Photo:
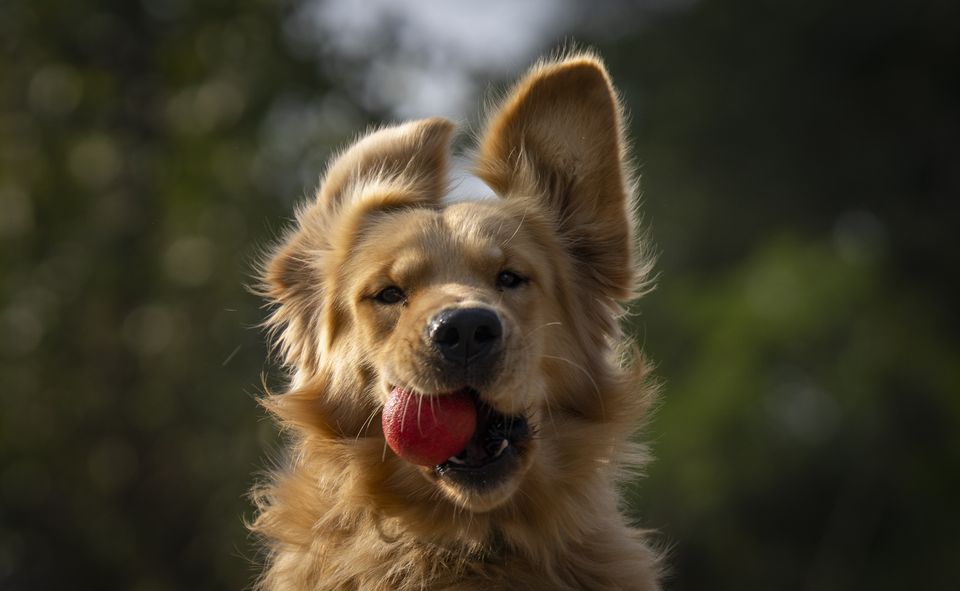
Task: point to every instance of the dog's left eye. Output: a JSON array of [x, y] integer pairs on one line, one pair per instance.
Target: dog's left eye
[[390, 295], [509, 280]]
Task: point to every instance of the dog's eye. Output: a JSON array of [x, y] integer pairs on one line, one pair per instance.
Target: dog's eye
[[509, 280], [390, 295]]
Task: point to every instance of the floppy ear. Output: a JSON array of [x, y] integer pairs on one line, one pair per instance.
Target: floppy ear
[[396, 166], [558, 137], [411, 155], [411, 159]]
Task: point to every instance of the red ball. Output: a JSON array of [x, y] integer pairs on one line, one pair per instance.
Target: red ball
[[426, 430]]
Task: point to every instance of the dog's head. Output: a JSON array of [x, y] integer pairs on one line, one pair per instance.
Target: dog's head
[[384, 286]]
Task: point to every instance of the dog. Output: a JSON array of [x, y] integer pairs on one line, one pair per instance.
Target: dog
[[505, 307]]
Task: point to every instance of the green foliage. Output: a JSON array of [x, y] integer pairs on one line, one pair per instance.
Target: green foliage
[[799, 428]]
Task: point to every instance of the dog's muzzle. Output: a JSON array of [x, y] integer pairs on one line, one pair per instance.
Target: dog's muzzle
[[468, 339]]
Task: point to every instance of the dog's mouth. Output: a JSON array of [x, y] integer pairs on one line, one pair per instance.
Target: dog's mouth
[[465, 442], [492, 454]]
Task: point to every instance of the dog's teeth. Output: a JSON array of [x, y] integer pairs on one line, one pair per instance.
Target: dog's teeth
[[504, 444], [455, 460]]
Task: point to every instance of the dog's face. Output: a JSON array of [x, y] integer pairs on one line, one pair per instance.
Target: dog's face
[[460, 298], [512, 299], [449, 299]]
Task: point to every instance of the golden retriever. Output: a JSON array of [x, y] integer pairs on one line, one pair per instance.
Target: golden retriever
[[510, 302]]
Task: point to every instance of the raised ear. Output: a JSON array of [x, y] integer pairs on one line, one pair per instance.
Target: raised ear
[[412, 155], [558, 137], [395, 166]]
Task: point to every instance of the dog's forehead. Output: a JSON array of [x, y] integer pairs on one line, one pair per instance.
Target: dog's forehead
[[466, 238], [469, 226]]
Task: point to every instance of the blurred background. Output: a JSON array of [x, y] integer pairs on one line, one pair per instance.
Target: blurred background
[[801, 178]]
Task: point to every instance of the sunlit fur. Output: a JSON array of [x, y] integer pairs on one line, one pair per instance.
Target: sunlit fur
[[342, 511]]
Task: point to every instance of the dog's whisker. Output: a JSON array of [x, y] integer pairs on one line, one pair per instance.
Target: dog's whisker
[[542, 326], [517, 231], [546, 401], [596, 387], [420, 412], [366, 424], [403, 412]]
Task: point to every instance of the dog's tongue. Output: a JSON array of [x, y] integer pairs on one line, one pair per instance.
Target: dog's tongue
[[426, 430]]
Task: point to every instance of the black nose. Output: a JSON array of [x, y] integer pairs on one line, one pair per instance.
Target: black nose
[[466, 335]]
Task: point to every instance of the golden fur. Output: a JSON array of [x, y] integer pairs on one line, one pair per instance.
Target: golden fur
[[344, 512]]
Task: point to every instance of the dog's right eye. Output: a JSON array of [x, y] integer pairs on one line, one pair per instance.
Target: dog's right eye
[[509, 280], [390, 295]]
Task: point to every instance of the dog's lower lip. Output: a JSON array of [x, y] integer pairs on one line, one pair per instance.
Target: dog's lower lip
[[492, 454]]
